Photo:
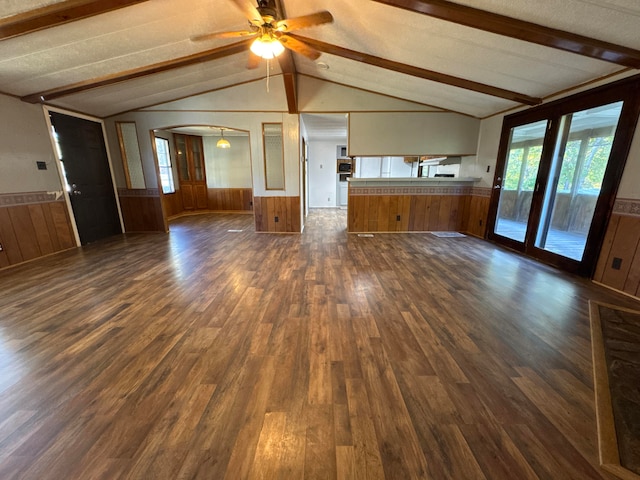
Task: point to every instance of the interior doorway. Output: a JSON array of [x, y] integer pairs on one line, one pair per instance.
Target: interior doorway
[[215, 176], [326, 139]]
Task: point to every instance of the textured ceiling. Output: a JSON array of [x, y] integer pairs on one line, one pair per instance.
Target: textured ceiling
[[157, 31]]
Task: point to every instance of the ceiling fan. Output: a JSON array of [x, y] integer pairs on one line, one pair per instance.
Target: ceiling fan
[[271, 32]]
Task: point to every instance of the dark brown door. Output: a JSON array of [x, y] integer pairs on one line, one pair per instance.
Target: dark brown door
[[191, 168], [86, 168]]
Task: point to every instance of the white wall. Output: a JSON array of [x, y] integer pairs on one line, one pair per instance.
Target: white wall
[[368, 167], [228, 167], [488, 142], [323, 173], [630, 183], [398, 168], [383, 167], [24, 140]]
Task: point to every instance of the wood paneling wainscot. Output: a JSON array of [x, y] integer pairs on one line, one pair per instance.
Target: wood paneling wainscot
[[285, 209], [476, 216], [141, 210], [172, 204], [417, 209], [230, 199], [33, 225], [619, 262]]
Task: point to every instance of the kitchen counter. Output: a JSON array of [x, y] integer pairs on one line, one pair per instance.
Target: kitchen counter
[[412, 182]]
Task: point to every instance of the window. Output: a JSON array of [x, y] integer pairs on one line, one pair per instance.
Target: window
[[164, 162]]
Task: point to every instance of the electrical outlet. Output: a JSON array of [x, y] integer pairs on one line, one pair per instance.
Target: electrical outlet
[[617, 263], [397, 218], [276, 219]]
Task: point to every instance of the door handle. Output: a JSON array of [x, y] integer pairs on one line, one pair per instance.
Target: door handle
[[496, 187]]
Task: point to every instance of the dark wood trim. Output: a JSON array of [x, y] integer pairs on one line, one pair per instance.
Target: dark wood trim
[[418, 72], [201, 57], [58, 14], [290, 81], [522, 30]]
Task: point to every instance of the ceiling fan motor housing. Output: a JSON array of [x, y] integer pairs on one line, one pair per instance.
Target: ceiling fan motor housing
[[267, 8]]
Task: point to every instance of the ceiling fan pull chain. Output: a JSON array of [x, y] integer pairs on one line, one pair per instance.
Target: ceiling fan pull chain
[[268, 60]]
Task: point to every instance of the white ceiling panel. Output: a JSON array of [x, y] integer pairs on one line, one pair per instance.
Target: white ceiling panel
[[407, 87], [615, 21], [323, 126], [156, 31], [163, 87], [14, 7], [140, 35], [456, 50]]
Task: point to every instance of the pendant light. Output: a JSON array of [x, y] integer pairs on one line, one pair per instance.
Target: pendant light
[[223, 142]]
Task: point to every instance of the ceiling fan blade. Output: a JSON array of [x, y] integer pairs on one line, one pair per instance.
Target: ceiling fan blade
[[249, 10], [304, 21], [254, 61], [299, 47], [232, 34]]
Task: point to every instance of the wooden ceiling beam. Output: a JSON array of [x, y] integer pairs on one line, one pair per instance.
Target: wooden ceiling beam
[[520, 29], [289, 76], [418, 72], [201, 57], [288, 67], [58, 14]]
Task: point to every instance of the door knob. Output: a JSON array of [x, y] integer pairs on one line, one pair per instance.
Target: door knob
[[496, 187]]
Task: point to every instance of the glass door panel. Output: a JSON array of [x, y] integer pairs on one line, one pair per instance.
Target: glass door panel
[[578, 166], [519, 180], [198, 159], [181, 155]]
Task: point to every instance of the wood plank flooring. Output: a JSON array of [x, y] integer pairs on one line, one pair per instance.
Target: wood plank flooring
[[212, 354]]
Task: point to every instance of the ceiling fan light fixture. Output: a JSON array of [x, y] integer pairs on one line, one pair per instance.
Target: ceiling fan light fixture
[[223, 142], [267, 46]]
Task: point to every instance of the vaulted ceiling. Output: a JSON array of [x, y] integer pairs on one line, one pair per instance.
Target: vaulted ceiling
[[476, 57]]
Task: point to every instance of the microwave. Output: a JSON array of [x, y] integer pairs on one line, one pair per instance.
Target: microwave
[[344, 166]]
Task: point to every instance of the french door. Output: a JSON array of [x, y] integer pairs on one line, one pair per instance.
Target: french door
[[557, 173]]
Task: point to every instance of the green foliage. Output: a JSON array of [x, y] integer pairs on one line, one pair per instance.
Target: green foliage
[[569, 163], [591, 168], [514, 166], [595, 164], [531, 168]]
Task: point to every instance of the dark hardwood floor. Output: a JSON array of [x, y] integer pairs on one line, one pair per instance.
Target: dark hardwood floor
[[230, 355]]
